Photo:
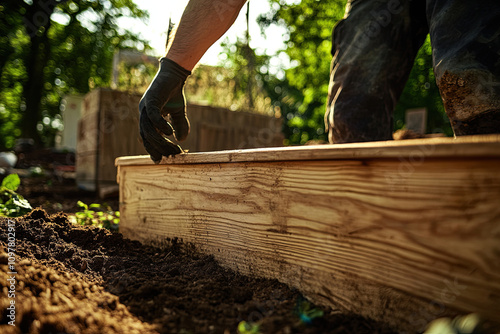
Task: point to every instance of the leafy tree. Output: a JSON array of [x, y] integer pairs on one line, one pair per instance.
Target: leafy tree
[[50, 48]]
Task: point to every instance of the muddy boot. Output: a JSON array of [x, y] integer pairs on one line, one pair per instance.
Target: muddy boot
[[471, 102], [465, 40]]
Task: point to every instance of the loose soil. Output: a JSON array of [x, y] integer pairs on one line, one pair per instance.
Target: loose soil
[[76, 279]]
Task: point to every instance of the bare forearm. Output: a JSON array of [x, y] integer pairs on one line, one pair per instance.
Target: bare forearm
[[202, 24]]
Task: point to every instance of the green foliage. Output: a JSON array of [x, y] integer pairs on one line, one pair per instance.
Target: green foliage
[[98, 215], [11, 182], [135, 77], [308, 42], [70, 53], [248, 328], [248, 78], [11, 203], [421, 91]]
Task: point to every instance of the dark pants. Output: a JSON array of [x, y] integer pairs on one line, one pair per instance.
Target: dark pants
[[373, 50]]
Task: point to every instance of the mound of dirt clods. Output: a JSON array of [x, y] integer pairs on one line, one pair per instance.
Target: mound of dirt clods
[[57, 277]]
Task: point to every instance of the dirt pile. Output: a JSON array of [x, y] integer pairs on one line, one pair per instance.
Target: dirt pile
[[73, 279]]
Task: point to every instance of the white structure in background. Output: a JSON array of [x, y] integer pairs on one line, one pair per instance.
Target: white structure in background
[[71, 112], [7, 159], [416, 120]]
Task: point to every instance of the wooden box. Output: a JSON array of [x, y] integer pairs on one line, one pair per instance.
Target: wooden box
[[109, 128], [401, 232]]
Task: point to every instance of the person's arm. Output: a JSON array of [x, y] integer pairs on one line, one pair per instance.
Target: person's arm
[[202, 24]]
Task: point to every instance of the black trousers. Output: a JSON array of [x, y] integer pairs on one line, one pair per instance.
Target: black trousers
[[374, 48]]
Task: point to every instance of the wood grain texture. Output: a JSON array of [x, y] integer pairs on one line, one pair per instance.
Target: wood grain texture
[[215, 129], [86, 144], [398, 240], [108, 129], [412, 150], [118, 131]]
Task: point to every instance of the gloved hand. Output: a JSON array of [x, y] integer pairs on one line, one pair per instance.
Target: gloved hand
[[164, 97]]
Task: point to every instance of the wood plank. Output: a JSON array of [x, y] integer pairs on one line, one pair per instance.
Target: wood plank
[[397, 240], [118, 132], [214, 129], [412, 150], [87, 142]]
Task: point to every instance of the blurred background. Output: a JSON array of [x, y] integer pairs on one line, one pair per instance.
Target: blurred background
[[276, 62]]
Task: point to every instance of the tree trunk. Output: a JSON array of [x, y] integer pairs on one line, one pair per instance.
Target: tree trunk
[[37, 22]]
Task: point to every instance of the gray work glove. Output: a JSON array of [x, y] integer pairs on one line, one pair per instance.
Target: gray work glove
[[165, 96]]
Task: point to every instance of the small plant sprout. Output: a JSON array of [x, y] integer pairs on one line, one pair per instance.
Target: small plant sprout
[[98, 215], [306, 312], [11, 203], [248, 328]]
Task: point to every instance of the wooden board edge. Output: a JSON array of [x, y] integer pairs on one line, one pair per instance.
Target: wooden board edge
[[418, 149], [196, 234]]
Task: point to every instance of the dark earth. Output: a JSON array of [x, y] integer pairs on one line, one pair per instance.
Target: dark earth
[[81, 279]]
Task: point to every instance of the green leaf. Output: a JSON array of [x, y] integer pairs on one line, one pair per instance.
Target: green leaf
[[11, 182], [102, 216], [11, 203], [82, 205]]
